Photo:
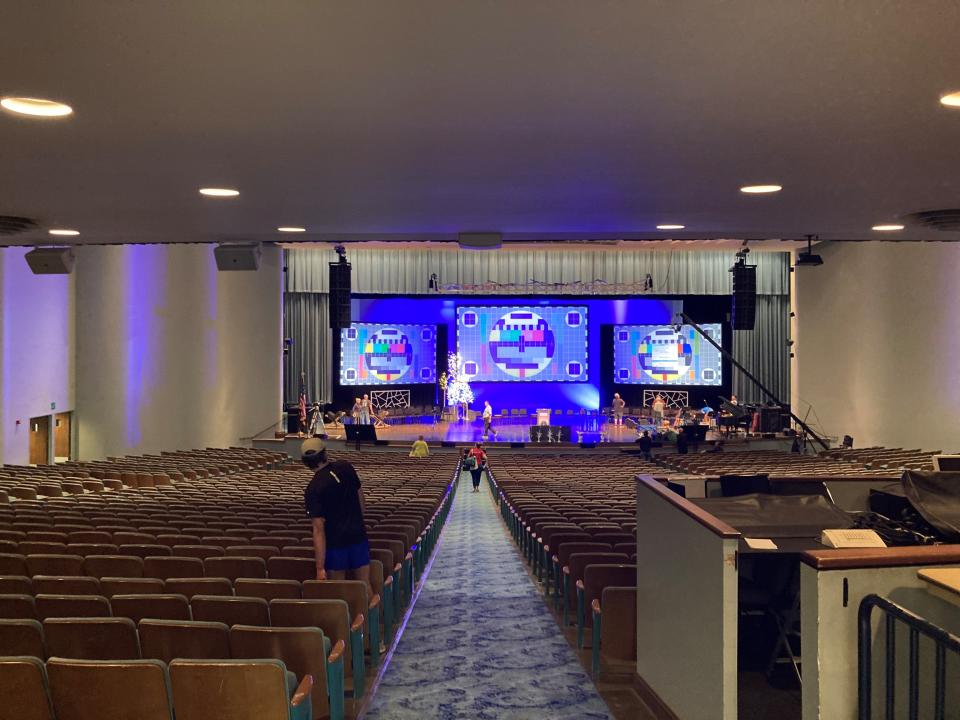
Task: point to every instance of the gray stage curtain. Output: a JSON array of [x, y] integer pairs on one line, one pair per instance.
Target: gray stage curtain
[[764, 352], [407, 270], [306, 321], [379, 270]]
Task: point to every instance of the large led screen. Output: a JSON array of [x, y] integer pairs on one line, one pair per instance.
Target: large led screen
[[523, 344], [388, 354], [662, 355]]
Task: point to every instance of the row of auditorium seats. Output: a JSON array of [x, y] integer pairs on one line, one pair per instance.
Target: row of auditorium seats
[[69, 689], [882, 457], [226, 542], [573, 520], [777, 464]]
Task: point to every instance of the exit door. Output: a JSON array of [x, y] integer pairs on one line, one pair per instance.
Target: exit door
[[40, 440]]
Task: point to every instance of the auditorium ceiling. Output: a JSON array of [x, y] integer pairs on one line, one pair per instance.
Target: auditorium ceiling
[[543, 119]]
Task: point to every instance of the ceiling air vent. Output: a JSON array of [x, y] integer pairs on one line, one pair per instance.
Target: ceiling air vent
[[947, 220], [13, 225]]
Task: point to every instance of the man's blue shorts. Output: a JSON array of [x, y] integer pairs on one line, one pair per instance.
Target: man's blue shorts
[[348, 558]]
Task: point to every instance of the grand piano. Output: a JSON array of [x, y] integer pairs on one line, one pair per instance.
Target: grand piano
[[732, 418]]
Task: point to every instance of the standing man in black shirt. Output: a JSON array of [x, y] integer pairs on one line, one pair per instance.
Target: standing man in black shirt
[[334, 501]]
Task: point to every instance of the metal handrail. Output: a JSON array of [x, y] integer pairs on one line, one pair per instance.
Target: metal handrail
[[944, 641]]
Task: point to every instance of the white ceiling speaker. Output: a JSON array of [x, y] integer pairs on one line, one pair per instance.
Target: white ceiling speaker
[[51, 260], [480, 240], [238, 257]]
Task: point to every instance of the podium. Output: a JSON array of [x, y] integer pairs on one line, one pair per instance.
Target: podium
[[543, 416]]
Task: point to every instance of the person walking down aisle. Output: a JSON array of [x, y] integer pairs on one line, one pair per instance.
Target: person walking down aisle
[[479, 464]]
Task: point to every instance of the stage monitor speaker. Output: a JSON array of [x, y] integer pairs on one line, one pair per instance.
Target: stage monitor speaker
[[744, 300], [695, 433], [51, 261], [770, 419], [447, 443], [237, 257], [340, 314], [361, 433]]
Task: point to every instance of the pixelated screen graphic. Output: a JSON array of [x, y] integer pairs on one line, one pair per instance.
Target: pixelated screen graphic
[[660, 355], [523, 344], [388, 354]]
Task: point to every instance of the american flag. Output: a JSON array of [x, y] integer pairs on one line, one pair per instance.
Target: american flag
[[303, 402]]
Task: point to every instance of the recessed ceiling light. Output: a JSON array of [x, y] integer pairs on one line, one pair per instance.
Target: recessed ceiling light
[[760, 189], [888, 228], [670, 227], [951, 99], [219, 192], [291, 229], [63, 231], [37, 107]]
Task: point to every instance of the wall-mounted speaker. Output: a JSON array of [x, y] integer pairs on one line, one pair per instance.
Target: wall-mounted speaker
[[743, 307], [339, 297], [51, 261], [237, 257]]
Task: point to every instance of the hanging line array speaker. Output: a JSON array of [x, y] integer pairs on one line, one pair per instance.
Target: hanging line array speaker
[[743, 309], [340, 295]]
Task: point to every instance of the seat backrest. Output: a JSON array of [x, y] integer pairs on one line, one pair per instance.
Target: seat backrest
[[565, 550], [292, 568], [394, 546], [54, 564], [331, 616], [18, 607], [66, 585], [15, 585], [51, 606], [267, 589], [130, 586], [92, 638], [167, 640], [579, 561], [234, 566], [156, 607], [21, 637], [598, 576], [198, 551], [199, 586], [13, 564], [164, 567], [385, 557], [23, 687], [231, 610], [618, 633], [98, 566], [98, 689], [303, 651], [236, 689], [354, 592]]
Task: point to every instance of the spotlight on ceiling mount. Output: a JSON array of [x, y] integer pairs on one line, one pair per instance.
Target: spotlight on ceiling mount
[[808, 258], [341, 252]]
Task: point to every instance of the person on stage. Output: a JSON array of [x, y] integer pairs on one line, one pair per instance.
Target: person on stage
[[618, 407], [355, 411], [365, 410], [487, 420], [658, 407]]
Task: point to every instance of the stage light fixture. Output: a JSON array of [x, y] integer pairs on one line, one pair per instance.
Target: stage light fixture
[[35, 107]]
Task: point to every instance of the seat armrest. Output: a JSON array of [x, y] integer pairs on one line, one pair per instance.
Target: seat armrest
[[388, 581], [303, 689], [566, 568], [337, 652], [595, 605], [357, 623], [375, 601], [580, 585]]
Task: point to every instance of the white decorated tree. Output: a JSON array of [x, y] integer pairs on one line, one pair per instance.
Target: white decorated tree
[[459, 392]]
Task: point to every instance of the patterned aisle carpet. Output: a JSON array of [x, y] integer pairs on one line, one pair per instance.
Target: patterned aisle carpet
[[480, 643]]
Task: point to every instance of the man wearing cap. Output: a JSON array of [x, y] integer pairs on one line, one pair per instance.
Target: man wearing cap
[[334, 502]]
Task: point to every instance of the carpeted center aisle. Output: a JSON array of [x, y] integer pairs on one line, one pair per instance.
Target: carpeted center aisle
[[480, 643]]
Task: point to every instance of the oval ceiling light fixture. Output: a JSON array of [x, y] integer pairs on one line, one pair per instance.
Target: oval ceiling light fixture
[[951, 99], [890, 227], [670, 227], [219, 192], [35, 107], [64, 232], [291, 229], [760, 189]]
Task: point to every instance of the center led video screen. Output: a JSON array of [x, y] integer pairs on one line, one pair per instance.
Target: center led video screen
[[664, 355], [388, 354], [523, 343]]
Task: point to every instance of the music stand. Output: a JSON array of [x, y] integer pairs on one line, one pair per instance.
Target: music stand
[[361, 433]]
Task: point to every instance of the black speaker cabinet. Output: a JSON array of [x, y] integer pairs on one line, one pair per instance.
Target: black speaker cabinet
[[744, 301], [361, 433], [340, 316]]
